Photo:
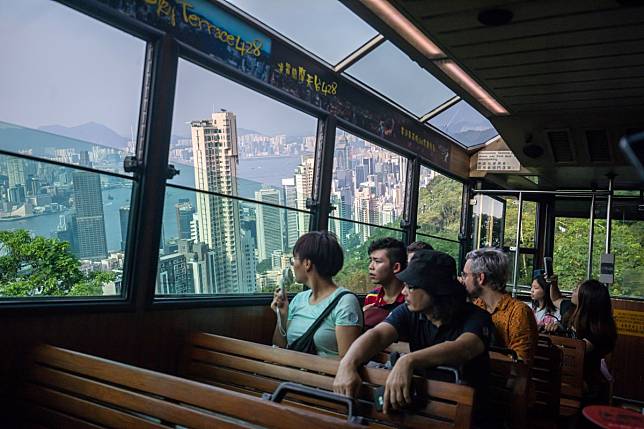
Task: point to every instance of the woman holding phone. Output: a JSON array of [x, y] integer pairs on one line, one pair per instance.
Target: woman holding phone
[[317, 257]]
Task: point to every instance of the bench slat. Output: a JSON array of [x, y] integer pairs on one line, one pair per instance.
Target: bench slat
[[84, 409], [128, 400]]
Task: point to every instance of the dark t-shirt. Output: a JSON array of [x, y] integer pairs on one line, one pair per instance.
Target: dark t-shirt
[[422, 333]]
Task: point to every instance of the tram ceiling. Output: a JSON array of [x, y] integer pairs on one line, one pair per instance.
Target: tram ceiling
[[568, 73]]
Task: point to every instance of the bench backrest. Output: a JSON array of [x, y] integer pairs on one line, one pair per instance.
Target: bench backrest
[[572, 365], [509, 381], [252, 367], [69, 389], [546, 379]]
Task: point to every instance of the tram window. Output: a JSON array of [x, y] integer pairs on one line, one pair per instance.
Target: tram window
[[528, 223], [309, 26], [571, 249], [233, 145], [81, 93], [70, 91], [63, 230], [488, 218], [439, 211], [251, 244], [367, 191]]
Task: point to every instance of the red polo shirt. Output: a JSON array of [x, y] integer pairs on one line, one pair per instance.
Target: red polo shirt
[[380, 309]]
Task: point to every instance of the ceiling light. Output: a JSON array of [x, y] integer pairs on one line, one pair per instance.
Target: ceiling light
[[408, 31], [458, 75]]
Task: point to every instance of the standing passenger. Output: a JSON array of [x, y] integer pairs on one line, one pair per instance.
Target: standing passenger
[[484, 276], [317, 257], [387, 257]]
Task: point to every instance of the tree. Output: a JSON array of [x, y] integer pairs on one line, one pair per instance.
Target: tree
[[39, 266]]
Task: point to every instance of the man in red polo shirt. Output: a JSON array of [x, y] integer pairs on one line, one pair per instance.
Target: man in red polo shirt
[[387, 257]]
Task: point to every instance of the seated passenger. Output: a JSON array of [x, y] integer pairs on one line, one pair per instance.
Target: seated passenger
[[417, 245], [544, 310], [484, 276], [387, 257], [317, 257], [442, 327], [565, 306], [592, 321]]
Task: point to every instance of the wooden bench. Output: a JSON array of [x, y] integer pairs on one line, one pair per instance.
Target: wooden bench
[[546, 380], [256, 368], [66, 389], [509, 380], [572, 373]]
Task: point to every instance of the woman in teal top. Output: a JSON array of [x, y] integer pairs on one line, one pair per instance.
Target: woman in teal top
[[317, 257]]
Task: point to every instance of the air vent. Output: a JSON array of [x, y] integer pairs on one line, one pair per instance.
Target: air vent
[[561, 145], [598, 147]]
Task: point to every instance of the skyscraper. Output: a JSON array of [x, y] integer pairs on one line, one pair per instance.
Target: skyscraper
[[214, 147], [16, 172], [290, 217], [269, 223], [90, 221], [303, 188], [124, 217], [184, 210]]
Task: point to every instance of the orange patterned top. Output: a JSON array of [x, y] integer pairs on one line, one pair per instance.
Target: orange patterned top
[[515, 326]]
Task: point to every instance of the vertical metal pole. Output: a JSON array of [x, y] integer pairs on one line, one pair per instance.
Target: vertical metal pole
[[517, 244], [609, 207], [591, 238], [412, 191]]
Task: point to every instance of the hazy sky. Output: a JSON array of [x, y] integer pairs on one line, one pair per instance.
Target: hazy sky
[[62, 67]]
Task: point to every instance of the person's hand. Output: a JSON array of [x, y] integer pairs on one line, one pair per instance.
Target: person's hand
[[551, 327], [280, 301], [398, 385], [368, 306], [347, 381]]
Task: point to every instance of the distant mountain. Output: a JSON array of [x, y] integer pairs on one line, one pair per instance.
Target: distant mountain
[[91, 132], [245, 131]]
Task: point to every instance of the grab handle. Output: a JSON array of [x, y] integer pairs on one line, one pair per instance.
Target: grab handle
[[286, 387]]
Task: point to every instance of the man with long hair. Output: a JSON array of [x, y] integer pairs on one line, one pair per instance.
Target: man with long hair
[[442, 327]]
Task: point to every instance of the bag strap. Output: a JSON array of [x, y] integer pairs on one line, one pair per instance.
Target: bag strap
[[329, 308]]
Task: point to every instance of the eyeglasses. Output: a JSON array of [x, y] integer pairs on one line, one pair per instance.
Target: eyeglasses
[[463, 274], [293, 258]]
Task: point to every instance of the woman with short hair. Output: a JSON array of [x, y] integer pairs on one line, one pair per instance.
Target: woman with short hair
[[317, 257]]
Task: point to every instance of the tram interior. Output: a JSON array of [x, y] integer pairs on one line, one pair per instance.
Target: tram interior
[[159, 160]]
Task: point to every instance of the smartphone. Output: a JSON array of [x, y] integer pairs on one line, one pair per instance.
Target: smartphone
[[547, 266]]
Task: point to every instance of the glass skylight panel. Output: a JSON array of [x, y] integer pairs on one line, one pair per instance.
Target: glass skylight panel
[[464, 124], [324, 27], [391, 72]]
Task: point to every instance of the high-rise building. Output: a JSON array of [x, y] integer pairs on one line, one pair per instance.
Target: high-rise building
[[303, 188], [215, 152], [174, 276], [16, 172], [184, 211], [290, 217], [90, 221], [269, 223], [124, 217]]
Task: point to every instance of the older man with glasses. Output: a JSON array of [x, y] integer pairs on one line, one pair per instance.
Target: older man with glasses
[[484, 276]]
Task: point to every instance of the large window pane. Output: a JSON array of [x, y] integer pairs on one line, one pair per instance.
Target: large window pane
[[62, 230], [439, 205], [355, 239], [309, 26], [368, 182], [251, 244], [231, 140], [487, 218], [448, 246], [528, 223], [464, 124], [391, 72], [81, 93]]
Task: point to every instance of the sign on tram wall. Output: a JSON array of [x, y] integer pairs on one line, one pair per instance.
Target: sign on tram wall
[[241, 45]]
